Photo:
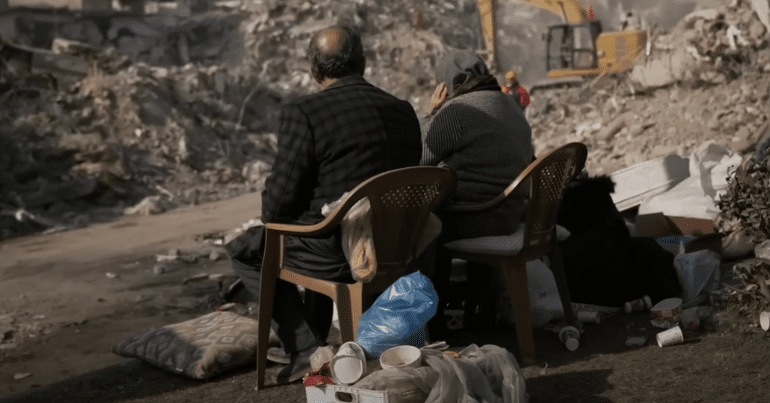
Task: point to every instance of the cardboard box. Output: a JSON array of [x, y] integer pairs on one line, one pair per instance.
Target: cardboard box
[[337, 393], [658, 224]]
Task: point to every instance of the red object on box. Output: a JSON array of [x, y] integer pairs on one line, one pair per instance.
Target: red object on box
[[322, 376]]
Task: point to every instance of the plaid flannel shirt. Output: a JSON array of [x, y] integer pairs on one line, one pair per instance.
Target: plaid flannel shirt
[[330, 142]]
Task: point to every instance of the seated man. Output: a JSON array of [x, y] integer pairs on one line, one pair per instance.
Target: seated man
[[328, 143]]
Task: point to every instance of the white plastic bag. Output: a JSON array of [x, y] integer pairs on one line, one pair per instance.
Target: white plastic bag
[[544, 300], [487, 374], [698, 274]]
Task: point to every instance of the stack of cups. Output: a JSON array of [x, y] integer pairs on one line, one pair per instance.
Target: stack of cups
[[570, 336], [349, 364]]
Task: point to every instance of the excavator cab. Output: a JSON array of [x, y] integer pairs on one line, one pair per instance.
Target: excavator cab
[[572, 47]]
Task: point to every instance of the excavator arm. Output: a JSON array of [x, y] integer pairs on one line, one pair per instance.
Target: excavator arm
[[569, 10]]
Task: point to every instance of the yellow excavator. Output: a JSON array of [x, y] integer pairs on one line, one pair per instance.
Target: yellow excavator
[[578, 47]]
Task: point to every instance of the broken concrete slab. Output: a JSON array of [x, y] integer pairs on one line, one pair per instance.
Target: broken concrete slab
[[637, 183]]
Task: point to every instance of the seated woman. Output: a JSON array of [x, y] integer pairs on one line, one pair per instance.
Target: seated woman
[[473, 129]]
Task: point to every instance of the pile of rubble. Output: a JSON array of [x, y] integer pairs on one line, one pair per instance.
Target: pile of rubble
[[183, 134], [186, 32], [623, 130], [717, 90], [403, 41], [709, 46], [18, 327], [135, 138]]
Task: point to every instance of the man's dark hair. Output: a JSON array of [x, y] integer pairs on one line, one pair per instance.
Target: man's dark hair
[[347, 60]]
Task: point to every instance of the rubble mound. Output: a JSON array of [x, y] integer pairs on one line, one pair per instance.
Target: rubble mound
[[112, 139], [135, 138], [715, 89], [165, 136]]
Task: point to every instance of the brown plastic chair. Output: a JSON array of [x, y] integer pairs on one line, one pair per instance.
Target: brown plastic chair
[[547, 178], [401, 201]]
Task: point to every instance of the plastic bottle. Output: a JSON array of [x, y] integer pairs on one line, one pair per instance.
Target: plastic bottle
[[638, 304], [570, 336], [589, 317]]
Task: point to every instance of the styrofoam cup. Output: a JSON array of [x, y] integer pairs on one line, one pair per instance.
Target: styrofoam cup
[[401, 356], [764, 320], [670, 337], [349, 364]]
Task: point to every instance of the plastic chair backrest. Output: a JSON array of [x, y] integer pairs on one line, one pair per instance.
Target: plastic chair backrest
[[548, 177], [401, 201]]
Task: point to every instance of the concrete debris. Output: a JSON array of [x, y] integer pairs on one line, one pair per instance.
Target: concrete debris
[[170, 110], [149, 205], [708, 46], [138, 114], [703, 81], [205, 252], [216, 255], [113, 138], [17, 327]]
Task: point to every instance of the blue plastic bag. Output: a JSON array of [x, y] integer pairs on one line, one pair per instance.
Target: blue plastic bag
[[398, 316]]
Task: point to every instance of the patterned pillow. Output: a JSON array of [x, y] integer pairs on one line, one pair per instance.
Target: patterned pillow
[[198, 348]]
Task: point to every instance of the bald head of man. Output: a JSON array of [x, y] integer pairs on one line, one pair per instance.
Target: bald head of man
[[336, 52]]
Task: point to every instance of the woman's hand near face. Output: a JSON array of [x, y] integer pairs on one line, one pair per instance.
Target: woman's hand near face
[[438, 97]]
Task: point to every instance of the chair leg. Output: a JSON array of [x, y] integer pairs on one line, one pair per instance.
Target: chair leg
[[516, 275], [268, 278], [357, 305], [557, 268], [349, 310]]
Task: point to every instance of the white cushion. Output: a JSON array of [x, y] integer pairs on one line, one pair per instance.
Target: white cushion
[[504, 245]]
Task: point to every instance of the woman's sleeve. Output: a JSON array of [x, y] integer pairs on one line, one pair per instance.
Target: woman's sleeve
[[440, 135]]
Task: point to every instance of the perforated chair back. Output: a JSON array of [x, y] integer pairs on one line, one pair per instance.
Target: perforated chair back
[[401, 202], [549, 177]]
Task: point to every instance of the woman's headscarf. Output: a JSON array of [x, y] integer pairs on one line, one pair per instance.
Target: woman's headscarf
[[464, 71]]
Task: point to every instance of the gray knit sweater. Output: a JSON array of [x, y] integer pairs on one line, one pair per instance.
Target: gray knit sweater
[[488, 142], [484, 138]]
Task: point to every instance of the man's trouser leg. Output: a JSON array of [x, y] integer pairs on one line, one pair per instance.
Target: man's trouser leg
[[323, 309], [289, 312], [299, 325]]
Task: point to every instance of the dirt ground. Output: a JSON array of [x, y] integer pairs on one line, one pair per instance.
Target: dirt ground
[[59, 281]]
